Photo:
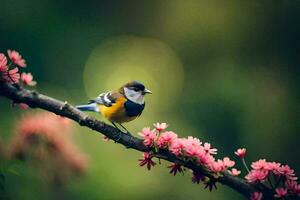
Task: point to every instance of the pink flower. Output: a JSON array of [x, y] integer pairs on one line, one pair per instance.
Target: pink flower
[[217, 166], [205, 158], [149, 136], [11, 76], [193, 141], [160, 126], [23, 106], [234, 172], [256, 196], [293, 186], [280, 192], [227, 162], [3, 62], [165, 139], [256, 175], [177, 146], [16, 58], [28, 79], [260, 164], [274, 167], [240, 152], [175, 168], [39, 137], [208, 149], [147, 160], [193, 150], [287, 172]]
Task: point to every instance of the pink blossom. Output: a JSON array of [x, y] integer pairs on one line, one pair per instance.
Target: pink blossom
[[160, 126], [3, 62], [227, 162], [293, 186], [240, 152], [149, 136], [260, 164], [23, 106], [256, 175], [234, 172], [217, 166], [193, 150], [41, 134], [177, 146], [147, 160], [207, 148], [11, 76], [193, 141], [27, 79], [274, 167], [175, 168], [193, 147], [16, 58], [165, 139], [205, 158], [256, 196], [287, 172], [280, 192]]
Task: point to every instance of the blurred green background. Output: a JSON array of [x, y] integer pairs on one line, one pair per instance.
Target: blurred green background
[[224, 71]]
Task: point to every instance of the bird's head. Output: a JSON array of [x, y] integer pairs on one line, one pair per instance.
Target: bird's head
[[135, 91]]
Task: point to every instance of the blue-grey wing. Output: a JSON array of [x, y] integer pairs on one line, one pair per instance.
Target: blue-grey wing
[[107, 99]]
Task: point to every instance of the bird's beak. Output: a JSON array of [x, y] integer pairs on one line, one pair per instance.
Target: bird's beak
[[146, 91]]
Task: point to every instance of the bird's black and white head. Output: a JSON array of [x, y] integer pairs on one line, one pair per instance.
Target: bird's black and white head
[[135, 91]]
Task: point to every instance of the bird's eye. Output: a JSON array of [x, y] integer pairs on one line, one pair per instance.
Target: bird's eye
[[135, 89]]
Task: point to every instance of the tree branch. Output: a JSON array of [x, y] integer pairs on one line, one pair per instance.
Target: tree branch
[[35, 100]]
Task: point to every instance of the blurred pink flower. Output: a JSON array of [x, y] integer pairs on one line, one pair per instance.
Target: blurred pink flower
[[273, 166], [147, 160], [228, 163], [175, 168], [217, 166], [240, 152], [260, 164], [257, 175], [256, 196], [192, 141], [234, 172], [27, 79], [193, 150], [165, 139], [11, 76], [287, 172], [3, 62], [149, 136], [160, 126], [23, 106], [45, 139], [280, 192], [207, 148], [16, 58], [293, 186], [177, 146]]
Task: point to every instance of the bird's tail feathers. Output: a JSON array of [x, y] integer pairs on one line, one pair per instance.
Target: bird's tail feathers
[[88, 107]]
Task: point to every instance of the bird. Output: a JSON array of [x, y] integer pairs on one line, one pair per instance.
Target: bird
[[119, 106]]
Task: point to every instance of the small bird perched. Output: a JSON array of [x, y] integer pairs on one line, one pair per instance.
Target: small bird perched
[[122, 105]]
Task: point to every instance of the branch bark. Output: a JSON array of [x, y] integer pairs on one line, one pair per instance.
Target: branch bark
[[35, 100]]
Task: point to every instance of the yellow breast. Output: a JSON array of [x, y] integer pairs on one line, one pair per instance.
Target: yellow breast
[[116, 112]]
